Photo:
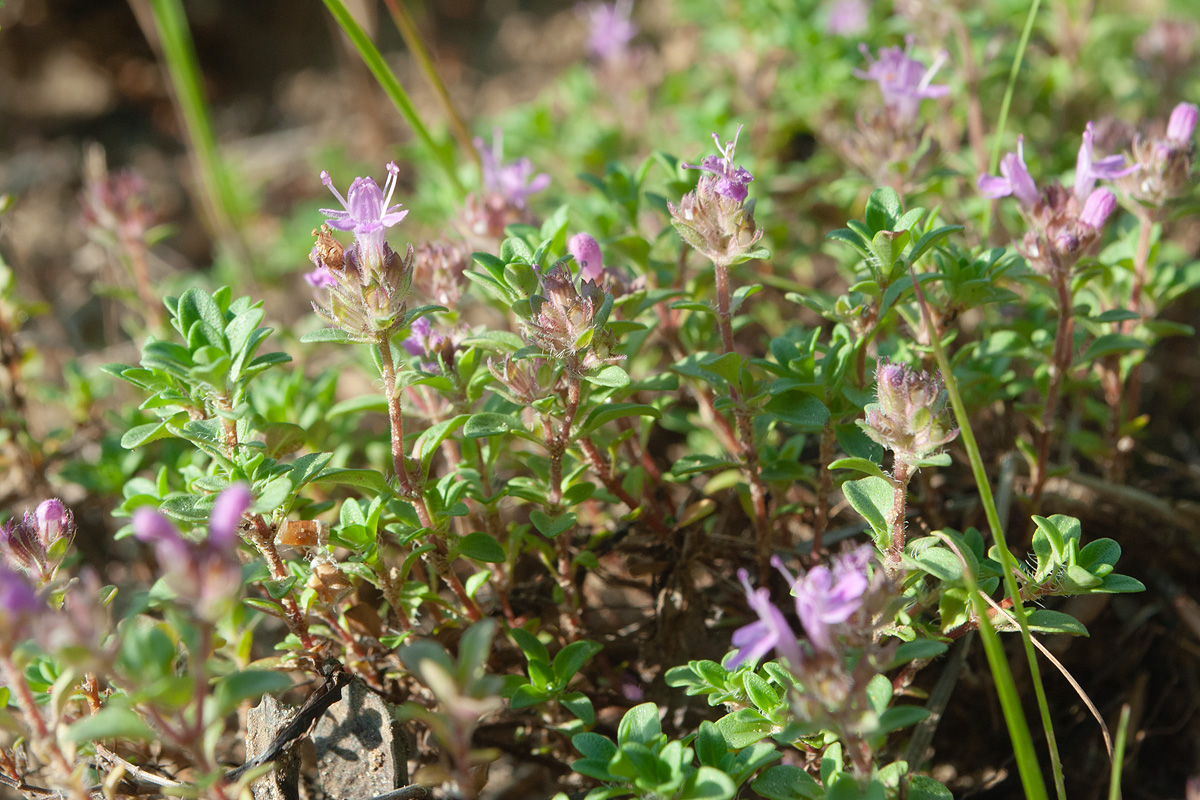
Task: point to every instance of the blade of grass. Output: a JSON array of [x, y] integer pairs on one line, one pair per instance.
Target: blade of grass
[[1014, 716], [391, 86], [1002, 121], [1118, 756], [178, 53], [408, 30]]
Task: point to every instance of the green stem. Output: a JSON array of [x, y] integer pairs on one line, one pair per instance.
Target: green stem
[[391, 86], [1014, 716], [986, 228], [1118, 756]]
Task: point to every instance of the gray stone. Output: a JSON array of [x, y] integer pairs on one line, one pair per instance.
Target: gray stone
[[361, 749], [263, 723]]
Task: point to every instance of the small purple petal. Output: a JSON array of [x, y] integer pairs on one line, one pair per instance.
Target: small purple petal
[[610, 29], [17, 596], [1100, 204], [321, 278], [153, 528], [1088, 170], [52, 520], [847, 18], [227, 515], [586, 252], [771, 631], [1182, 123]]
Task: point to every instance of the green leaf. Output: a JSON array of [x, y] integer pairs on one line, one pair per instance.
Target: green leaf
[[490, 424], [579, 705], [872, 498], [250, 684], [941, 563], [1101, 551], [708, 783], [640, 724], [786, 782], [144, 434], [594, 746], [568, 660], [699, 462], [744, 727], [111, 722], [1109, 344], [326, 335], [918, 649], [1043, 620], [1119, 584], [799, 409], [482, 547], [725, 365], [879, 693], [432, 437], [611, 376], [367, 479], [898, 717], [922, 787], [550, 526], [860, 464], [527, 695], [607, 412]]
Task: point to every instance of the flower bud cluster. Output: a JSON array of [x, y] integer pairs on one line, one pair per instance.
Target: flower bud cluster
[[1164, 163], [715, 219], [206, 575], [38, 543], [1062, 223], [526, 380], [910, 417], [113, 205], [439, 272], [565, 321], [367, 283]]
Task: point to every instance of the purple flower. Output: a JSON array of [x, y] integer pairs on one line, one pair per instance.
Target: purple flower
[[1015, 179], [206, 574], [729, 180], [366, 212], [1182, 123], [422, 339], [770, 632], [37, 543], [847, 18], [829, 596], [903, 81], [1088, 170], [586, 252], [513, 181], [609, 28]]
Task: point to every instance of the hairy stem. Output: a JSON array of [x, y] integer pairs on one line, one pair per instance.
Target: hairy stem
[[901, 475], [745, 429], [601, 467], [263, 539], [1060, 362]]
